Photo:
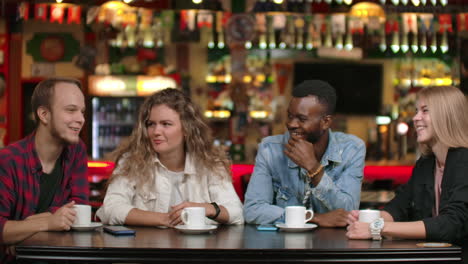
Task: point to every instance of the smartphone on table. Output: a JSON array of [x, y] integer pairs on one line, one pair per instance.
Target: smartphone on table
[[119, 230], [267, 227]]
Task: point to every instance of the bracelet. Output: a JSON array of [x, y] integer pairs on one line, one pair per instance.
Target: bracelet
[[317, 171], [218, 211]]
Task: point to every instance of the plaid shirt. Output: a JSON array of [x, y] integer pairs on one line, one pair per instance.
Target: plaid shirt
[[20, 171]]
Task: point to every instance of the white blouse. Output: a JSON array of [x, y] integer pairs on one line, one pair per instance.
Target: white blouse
[[198, 185], [176, 193]]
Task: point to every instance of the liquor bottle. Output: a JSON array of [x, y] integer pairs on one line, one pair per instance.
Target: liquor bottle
[[118, 113]]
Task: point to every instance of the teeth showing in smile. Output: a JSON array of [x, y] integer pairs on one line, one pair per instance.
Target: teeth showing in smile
[[296, 134], [75, 129], [418, 128]]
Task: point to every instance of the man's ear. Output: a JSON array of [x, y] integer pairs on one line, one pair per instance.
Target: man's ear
[[326, 121], [44, 114]]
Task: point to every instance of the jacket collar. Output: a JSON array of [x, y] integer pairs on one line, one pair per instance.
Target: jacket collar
[[333, 153], [429, 166], [427, 184], [429, 170]]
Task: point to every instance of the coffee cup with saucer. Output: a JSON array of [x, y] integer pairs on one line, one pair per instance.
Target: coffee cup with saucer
[[296, 219], [194, 221], [83, 218]]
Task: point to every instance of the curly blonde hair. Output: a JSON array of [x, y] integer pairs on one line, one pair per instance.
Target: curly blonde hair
[[448, 108], [137, 153]]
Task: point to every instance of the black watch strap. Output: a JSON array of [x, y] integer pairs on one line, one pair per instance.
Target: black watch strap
[[218, 210]]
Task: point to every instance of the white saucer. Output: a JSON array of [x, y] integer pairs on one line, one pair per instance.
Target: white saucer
[[306, 227], [198, 230], [89, 227]]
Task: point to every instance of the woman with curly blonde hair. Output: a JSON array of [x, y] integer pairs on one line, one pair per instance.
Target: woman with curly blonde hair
[[169, 163]]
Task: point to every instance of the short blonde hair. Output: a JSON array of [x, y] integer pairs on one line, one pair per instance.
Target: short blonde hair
[[44, 91], [448, 110]]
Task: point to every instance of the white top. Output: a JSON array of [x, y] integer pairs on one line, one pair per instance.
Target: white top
[[177, 196], [198, 185]]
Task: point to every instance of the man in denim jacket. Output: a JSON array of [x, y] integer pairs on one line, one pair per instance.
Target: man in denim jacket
[[308, 165]]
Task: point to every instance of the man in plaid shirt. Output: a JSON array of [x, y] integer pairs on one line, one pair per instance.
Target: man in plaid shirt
[[43, 175]]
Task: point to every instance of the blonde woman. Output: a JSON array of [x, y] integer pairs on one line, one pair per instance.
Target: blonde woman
[[167, 164], [433, 205]]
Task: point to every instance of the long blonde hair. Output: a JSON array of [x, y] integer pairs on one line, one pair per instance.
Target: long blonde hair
[[137, 154], [448, 110]]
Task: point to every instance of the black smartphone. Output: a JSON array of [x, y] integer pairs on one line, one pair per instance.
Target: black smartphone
[[119, 230], [267, 227]]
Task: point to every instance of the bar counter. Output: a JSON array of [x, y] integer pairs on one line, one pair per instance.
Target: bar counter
[[227, 244]]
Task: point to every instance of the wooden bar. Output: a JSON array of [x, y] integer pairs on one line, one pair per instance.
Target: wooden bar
[[228, 244]]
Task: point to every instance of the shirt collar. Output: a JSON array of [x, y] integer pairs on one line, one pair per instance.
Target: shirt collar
[[189, 169], [332, 153], [34, 162]]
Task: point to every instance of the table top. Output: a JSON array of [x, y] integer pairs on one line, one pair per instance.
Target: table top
[[225, 244]]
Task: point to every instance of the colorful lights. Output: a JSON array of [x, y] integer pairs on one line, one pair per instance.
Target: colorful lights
[[402, 128], [383, 120], [259, 114], [217, 114]]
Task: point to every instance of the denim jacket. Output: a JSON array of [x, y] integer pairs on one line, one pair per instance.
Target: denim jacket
[[278, 182]]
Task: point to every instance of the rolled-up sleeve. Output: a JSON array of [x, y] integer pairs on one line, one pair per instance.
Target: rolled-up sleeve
[[345, 191], [118, 202], [8, 197], [222, 192]]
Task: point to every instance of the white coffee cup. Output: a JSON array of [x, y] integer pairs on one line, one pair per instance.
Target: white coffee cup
[[193, 217], [368, 215], [296, 216], [83, 215]]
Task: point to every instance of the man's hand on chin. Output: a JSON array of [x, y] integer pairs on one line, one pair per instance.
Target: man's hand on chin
[[302, 153]]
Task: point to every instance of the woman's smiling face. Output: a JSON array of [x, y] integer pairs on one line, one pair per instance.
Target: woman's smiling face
[[422, 122]]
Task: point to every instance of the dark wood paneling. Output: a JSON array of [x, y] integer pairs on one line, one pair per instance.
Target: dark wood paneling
[[15, 112]]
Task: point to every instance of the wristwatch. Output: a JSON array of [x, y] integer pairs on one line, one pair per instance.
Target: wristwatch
[[217, 209], [376, 227]]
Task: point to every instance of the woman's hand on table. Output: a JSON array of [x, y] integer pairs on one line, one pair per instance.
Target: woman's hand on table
[[353, 216], [165, 219], [174, 214], [138, 217], [356, 229]]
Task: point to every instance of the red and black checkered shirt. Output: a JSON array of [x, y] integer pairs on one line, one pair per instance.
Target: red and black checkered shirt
[[20, 172]]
